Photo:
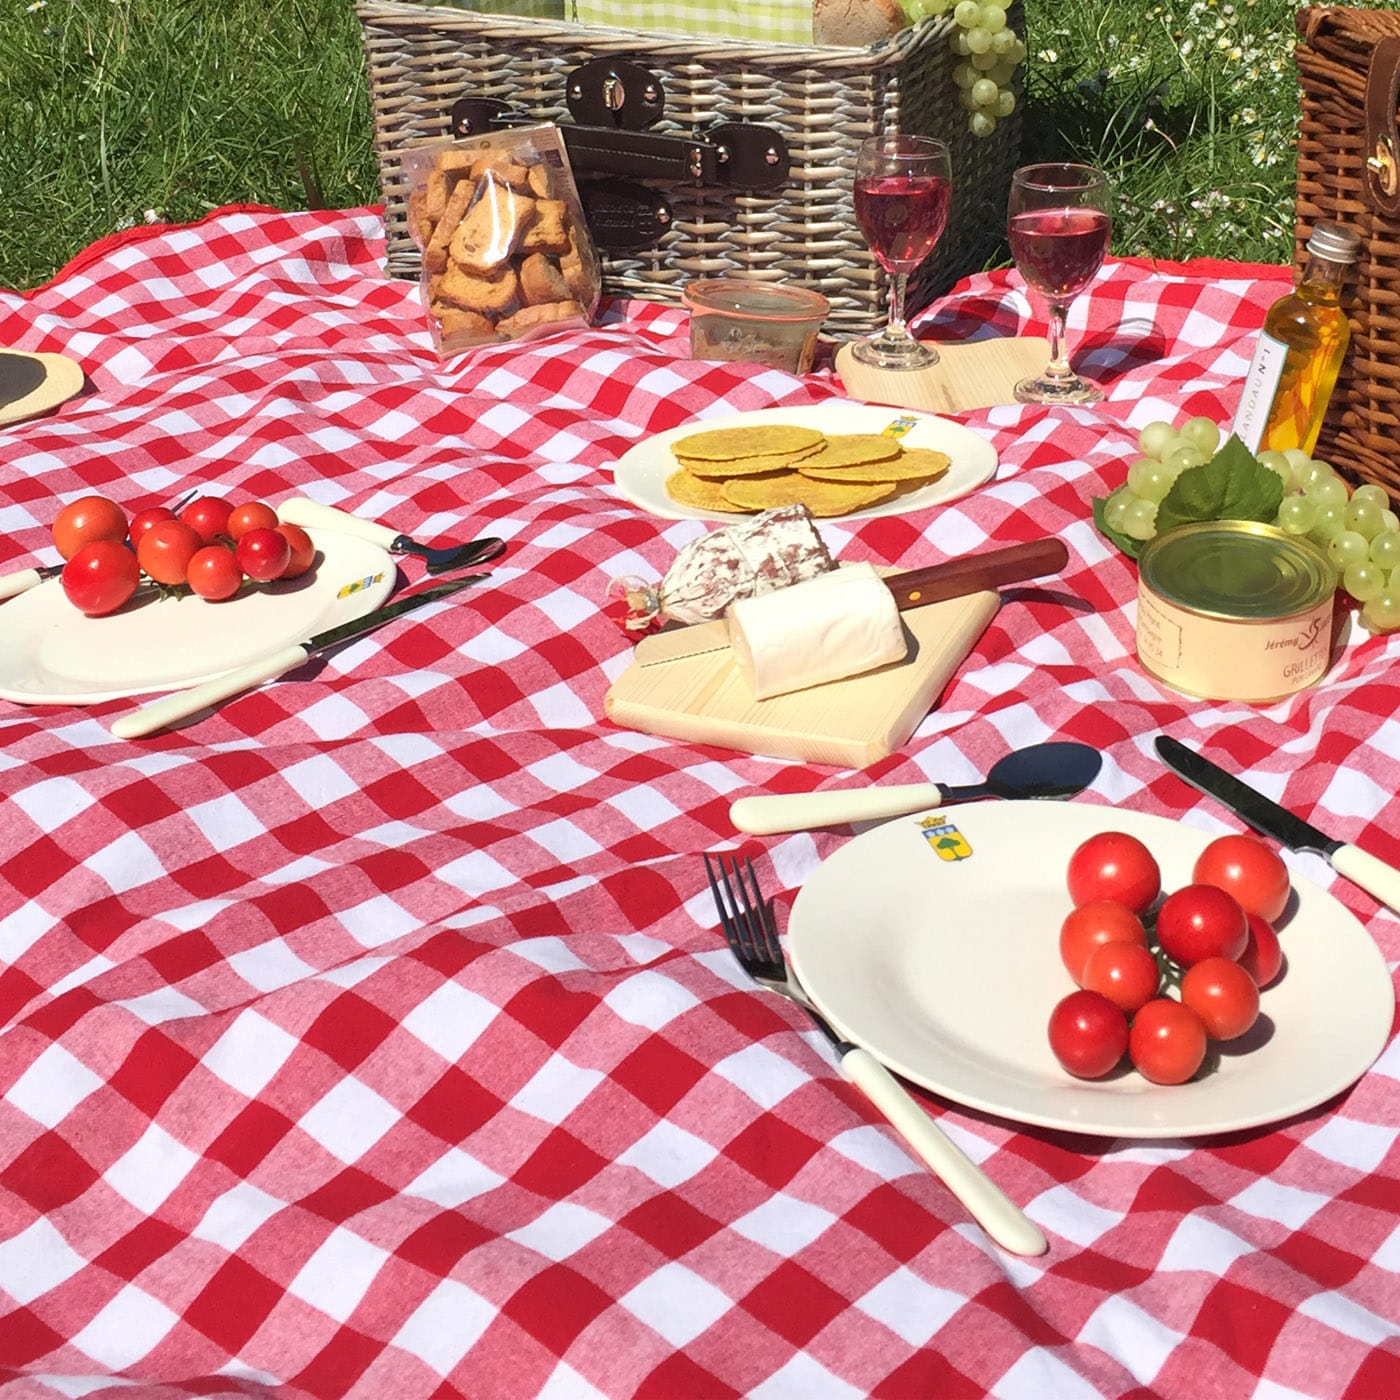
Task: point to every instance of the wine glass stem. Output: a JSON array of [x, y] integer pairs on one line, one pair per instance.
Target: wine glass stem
[[897, 329], [1058, 368]]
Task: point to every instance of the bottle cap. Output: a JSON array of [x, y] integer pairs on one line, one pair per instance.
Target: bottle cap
[[1335, 243]]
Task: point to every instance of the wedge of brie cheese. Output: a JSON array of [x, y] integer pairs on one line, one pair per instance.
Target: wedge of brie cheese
[[841, 623]]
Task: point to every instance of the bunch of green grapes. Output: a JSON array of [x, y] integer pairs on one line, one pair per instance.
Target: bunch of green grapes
[[990, 50], [1357, 527]]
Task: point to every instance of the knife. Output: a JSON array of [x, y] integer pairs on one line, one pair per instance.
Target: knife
[[184, 703], [975, 573], [22, 580], [1360, 867]]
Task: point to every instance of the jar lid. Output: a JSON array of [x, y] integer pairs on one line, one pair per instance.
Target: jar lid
[[1335, 243], [762, 300], [1237, 569]]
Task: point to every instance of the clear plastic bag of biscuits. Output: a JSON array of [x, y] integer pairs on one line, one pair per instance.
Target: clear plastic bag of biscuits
[[506, 252]]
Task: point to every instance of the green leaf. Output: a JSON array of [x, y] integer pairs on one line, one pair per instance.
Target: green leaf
[[1231, 486], [1129, 546]]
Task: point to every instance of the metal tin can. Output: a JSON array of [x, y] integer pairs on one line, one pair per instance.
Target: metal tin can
[[1235, 610]]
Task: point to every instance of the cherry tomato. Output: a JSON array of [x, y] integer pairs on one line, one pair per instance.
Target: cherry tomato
[[208, 517], [1167, 1043], [87, 519], [1125, 973], [263, 554], [1262, 957], [1114, 865], [1088, 1034], [1248, 869], [100, 577], [166, 549], [303, 551], [1223, 995], [1201, 921], [251, 515], [213, 573], [144, 519], [1092, 925]]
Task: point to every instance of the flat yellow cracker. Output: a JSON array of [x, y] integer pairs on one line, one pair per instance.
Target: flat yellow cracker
[[822, 498], [727, 444], [921, 465], [847, 449], [688, 490], [744, 466]]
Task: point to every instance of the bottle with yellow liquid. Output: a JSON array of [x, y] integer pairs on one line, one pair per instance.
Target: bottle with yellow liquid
[[1300, 350]]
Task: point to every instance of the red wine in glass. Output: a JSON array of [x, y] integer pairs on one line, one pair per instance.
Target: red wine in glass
[[1058, 226], [903, 190]]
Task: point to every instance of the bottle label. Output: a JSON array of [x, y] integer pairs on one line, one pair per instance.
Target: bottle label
[[1260, 387]]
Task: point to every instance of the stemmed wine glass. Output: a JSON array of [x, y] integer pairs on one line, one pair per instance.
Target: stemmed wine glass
[[1058, 225], [902, 192]]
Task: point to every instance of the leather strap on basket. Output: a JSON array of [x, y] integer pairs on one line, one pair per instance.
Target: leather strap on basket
[[1382, 144]]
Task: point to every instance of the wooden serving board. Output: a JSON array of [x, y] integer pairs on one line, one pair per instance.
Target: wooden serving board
[[969, 374], [33, 383], [850, 723]]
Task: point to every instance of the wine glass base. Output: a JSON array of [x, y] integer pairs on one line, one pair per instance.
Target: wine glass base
[[1070, 391], [894, 352]]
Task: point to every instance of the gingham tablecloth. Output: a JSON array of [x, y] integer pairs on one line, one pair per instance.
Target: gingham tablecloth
[[372, 1035]]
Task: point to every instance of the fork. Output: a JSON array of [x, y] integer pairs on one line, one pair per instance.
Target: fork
[[747, 921]]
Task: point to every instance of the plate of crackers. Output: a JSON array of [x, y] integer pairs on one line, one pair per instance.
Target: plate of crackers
[[839, 459]]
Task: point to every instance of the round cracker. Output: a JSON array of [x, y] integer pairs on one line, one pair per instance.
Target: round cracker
[[848, 449], [923, 465], [745, 466], [822, 498], [727, 444], [688, 490]]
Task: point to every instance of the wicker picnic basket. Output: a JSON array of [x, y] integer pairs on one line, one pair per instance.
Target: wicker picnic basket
[[1349, 171], [822, 101]]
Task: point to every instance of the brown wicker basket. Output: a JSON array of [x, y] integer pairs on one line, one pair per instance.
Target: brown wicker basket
[[824, 101], [1341, 178]]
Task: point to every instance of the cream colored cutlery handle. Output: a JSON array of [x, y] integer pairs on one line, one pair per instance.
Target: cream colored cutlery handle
[[800, 811], [184, 703], [993, 1210], [1378, 879], [309, 514], [21, 582]]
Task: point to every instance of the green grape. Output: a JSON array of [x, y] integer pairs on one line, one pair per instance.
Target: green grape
[[984, 62], [1346, 547], [1203, 434], [1296, 515], [1312, 473], [1116, 507], [985, 91], [1327, 524], [1137, 469], [1297, 457], [1375, 494], [1154, 437], [981, 123], [1389, 521], [1183, 457], [1382, 613], [1140, 520], [1280, 469], [993, 18], [1003, 41], [967, 13], [957, 41], [967, 101], [1385, 550], [1363, 580], [964, 76], [1329, 491], [1157, 482], [978, 40], [1005, 103], [1365, 517]]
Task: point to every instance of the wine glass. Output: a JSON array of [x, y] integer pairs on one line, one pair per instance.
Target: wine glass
[[902, 192], [1058, 225]]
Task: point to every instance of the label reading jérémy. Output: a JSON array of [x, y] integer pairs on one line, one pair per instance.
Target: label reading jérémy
[[1260, 386]]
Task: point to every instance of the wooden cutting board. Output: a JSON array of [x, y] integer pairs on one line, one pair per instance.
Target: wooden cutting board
[[850, 723], [969, 374]]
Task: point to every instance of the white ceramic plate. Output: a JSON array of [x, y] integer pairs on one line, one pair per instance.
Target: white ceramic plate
[[947, 970], [641, 471], [51, 654]]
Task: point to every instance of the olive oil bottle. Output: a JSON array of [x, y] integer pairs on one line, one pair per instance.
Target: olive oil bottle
[[1300, 350]]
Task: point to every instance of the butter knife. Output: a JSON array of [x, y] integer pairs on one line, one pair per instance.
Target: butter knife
[[1378, 879]]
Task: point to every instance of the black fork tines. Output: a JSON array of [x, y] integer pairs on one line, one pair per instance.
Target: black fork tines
[[741, 911]]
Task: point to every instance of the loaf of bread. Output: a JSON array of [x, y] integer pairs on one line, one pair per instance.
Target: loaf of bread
[[856, 23]]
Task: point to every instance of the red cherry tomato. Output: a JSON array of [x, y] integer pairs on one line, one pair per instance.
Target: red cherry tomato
[[1223, 995], [251, 515], [1167, 1043], [208, 517], [1248, 869], [1114, 865], [1088, 1034], [1201, 921], [1092, 925], [1262, 957], [100, 577], [263, 554], [213, 573], [1125, 973], [85, 520], [166, 549], [144, 519], [303, 551]]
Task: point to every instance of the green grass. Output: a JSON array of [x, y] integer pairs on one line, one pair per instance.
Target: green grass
[[115, 112]]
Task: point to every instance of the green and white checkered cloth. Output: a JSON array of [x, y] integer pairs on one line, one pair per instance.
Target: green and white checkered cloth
[[517, 9], [767, 21]]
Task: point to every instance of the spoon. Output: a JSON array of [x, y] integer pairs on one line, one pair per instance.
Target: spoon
[[1041, 770], [301, 510]]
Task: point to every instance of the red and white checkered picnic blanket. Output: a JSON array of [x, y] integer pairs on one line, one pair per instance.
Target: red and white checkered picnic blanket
[[372, 1036]]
